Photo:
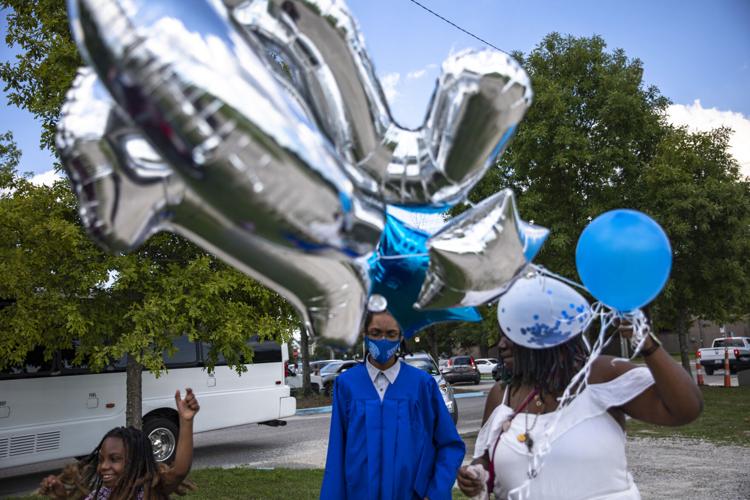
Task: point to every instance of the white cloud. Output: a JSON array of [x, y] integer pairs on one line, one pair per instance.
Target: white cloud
[[46, 178], [389, 83], [415, 75], [697, 118]]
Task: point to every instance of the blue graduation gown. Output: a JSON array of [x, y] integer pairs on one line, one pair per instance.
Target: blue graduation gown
[[403, 448]]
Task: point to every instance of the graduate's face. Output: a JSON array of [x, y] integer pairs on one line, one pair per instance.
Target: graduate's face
[[383, 326]]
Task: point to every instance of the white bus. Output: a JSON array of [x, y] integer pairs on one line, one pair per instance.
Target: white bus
[[49, 410]]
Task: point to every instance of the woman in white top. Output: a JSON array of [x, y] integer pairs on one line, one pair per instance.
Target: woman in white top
[[586, 458]]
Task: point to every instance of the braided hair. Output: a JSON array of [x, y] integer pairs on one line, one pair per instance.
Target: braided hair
[[140, 469], [549, 369], [141, 472]]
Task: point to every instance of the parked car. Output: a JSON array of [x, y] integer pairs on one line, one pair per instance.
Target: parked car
[[485, 365], [462, 369], [316, 366], [329, 373], [294, 374], [498, 371], [442, 364], [712, 358], [424, 361]]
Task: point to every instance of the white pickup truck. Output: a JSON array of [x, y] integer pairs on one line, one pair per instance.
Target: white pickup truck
[[712, 358]]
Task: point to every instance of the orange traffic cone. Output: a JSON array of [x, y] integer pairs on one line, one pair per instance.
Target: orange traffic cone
[[699, 373], [727, 376]]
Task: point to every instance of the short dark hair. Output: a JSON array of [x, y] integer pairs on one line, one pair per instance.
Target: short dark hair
[[548, 369], [371, 314]]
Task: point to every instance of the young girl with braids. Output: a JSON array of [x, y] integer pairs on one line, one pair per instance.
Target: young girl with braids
[[586, 459], [122, 466]]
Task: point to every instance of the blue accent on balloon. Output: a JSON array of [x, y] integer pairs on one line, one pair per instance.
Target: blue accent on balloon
[[425, 209], [532, 237], [503, 140], [309, 247], [624, 258], [400, 280], [346, 202]]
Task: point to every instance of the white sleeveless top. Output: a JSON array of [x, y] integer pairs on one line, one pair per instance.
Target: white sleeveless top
[[587, 456]]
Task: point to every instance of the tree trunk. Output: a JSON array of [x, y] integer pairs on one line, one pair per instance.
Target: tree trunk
[[432, 341], [304, 347], [682, 332], [133, 393], [484, 349]]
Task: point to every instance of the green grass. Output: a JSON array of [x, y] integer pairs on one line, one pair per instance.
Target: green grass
[[312, 401], [241, 483], [248, 484], [725, 419], [261, 484]]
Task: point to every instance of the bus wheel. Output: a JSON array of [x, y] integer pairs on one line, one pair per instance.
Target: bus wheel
[[162, 432]]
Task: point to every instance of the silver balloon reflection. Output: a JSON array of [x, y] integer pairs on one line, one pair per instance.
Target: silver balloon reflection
[[476, 256], [215, 112], [480, 98], [127, 193]]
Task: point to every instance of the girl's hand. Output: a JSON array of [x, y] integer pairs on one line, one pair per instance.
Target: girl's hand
[[469, 481], [52, 487], [188, 407]]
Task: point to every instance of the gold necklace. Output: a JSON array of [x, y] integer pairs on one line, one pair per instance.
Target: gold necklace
[[525, 437]]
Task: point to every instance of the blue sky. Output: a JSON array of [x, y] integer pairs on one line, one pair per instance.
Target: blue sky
[[691, 50]]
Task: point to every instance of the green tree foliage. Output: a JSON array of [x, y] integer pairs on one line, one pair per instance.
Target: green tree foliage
[[694, 189], [45, 65], [10, 156], [596, 139]]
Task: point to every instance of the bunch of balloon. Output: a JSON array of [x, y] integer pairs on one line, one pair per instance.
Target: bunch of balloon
[[258, 130]]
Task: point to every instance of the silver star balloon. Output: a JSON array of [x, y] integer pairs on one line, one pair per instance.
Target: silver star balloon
[[480, 98], [476, 256], [217, 115], [127, 193]]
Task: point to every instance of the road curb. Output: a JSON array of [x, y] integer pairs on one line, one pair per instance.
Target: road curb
[[313, 411], [462, 395]]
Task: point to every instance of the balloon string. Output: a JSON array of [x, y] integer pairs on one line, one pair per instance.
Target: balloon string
[[543, 270]]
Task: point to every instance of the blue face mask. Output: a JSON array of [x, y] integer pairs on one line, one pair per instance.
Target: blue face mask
[[382, 350]]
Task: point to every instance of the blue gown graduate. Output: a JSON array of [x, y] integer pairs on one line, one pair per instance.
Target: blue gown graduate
[[403, 448]]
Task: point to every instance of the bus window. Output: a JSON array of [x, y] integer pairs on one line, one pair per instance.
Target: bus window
[[266, 351], [263, 352], [33, 366], [65, 362], [205, 348], [186, 353]]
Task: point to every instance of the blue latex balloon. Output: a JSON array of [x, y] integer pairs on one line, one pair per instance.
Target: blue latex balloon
[[624, 258], [400, 279]]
